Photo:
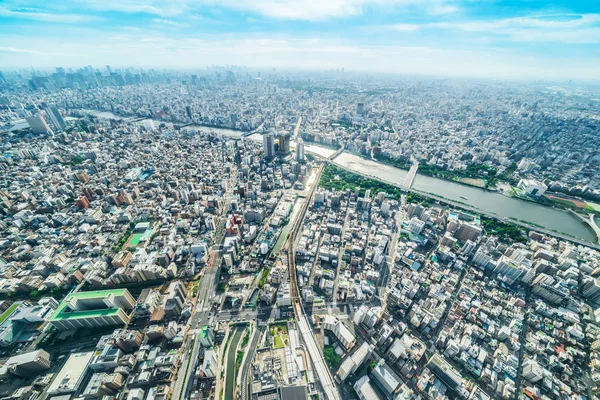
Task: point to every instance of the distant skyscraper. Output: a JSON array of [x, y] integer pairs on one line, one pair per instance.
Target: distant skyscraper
[[284, 143], [148, 124], [269, 145], [360, 108], [188, 111], [300, 151], [55, 117], [38, 124]]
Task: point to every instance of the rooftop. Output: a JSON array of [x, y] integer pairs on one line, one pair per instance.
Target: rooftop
[[61, 312]]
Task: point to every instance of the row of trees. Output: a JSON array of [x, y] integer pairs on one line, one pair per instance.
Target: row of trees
[[335, 178]]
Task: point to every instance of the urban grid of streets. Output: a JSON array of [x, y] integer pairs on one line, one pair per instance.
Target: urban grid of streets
[[154, 253]]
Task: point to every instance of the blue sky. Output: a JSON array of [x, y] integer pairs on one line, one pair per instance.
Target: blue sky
[[481, 38]]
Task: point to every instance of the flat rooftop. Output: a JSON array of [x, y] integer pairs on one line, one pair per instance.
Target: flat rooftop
[[71, 374], [61, 314]]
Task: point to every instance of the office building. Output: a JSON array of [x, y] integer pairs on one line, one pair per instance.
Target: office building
[[532, 371], [445, 373], [284, 143], [531, 187], [300, 151], [72, 374], [364, 390], [209, 366], [386, 378], [268, 146], [82, 202], [103, 384], [207, 336], [416, 225], [468, 231], [175, 299], [148, 125], [591, 290], [339, 330], [27, 365], [55, 117], [354, 361], [148, 302], [93, 309], [360, 108], [38, 124], [127, 340], [294, 392]]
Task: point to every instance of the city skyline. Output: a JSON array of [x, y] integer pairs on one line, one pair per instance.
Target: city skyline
[[515, 40]]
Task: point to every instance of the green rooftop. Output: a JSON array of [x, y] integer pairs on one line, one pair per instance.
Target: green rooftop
[[61, 314], [204, 331], [8, 312]]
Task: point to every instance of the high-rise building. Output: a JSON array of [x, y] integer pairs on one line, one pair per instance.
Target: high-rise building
[[269, 145], [591, 290], [353, 362], [386, 378], [300, 151], [188, 111], [148, 125], [28, 364], [468, 232], [38, 124], [207, 336], [93, 309], [175, 299], [284, 143], [532, 371], [208, 369], [82, 202], [364, 389], [360, 108], [55, 117], [445, 373]]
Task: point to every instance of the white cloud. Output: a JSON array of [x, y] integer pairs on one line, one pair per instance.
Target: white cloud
[[161, 8], [318, 10], [562, 28], [403, 27], [441, 9], [162, 22], [47, 16], [27, 51], [308, 10]]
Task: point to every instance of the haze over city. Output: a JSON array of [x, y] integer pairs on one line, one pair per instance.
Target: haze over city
[[492, 39]]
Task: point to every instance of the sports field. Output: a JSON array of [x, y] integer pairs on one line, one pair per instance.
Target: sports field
[[569, 202], [135, 239]]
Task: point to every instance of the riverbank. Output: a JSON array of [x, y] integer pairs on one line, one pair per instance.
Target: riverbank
[[471, 182], [483, 201], [502, 220]]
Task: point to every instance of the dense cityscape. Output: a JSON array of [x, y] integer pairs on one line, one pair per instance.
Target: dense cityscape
[[236, 233]]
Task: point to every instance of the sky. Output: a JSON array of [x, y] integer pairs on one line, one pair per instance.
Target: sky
[[526, 39]]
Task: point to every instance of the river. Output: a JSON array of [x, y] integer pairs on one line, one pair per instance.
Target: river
[[495, 203], [490, 202], [231, 372]]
